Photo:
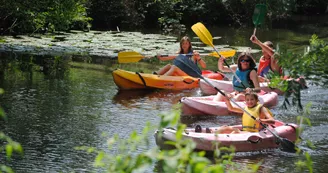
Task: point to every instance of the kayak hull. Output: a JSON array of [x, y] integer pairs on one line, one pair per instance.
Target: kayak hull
[[207, 89], [242, 142], [127, 80], [206, 106]]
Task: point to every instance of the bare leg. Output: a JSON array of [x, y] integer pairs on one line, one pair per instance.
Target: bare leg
[[219, 97], [164, 69], [226, 130], [175, 71]]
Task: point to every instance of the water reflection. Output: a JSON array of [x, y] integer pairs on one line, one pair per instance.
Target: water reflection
[[131, 98]]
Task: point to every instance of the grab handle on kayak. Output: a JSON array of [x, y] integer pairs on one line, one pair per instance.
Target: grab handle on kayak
[[254, 139], [190, 81]]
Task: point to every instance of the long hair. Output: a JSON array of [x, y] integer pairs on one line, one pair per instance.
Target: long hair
[[185, 38], [252, 63]]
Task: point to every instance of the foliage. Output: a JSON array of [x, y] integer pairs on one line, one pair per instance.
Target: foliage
[[311, 65], [41, 16], [299, 68], [124, 157], [171, 15], [307, 163], [132, 14]]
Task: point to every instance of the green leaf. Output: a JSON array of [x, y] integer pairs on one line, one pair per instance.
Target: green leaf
[[9, 150]]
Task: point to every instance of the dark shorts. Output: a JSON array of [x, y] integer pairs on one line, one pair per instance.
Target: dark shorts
[[187, 65]]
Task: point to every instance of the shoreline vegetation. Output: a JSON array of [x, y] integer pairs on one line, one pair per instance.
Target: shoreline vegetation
[[31, 17]]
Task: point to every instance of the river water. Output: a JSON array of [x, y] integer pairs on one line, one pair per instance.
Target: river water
[[49, 117]]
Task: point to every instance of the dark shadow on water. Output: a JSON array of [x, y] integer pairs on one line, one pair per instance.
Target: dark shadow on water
[[127, 97], [131, 94]]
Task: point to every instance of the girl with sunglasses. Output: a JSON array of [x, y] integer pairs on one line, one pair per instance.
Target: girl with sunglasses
[[246, 72]]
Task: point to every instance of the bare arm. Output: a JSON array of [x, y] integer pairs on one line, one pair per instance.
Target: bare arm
[[165, 58], [230, 107], [274, 63], [197, 58], [225, 68], [263, 46], [254, 77], [268, 119]]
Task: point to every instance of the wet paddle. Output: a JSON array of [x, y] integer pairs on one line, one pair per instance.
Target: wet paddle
[[205, 36], [258, 15], [131, 56], [285, 144]]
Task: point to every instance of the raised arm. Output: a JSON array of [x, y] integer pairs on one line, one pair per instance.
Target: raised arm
[[165, 58], [223, 68], [268, 119], [263, 46], [230, 107]]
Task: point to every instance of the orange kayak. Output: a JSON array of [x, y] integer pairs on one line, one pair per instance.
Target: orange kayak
[[127, 80]]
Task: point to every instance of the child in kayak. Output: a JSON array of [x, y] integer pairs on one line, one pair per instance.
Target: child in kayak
[[261, 113], [183, 65], [268, 61]]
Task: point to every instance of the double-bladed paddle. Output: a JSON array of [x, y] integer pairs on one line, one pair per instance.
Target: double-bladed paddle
[[285, 144], [131, 56], [258, 15], [205, 36]]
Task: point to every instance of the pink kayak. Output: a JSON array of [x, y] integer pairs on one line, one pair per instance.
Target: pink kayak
[[243, 142], [207, 106], [227, 86]]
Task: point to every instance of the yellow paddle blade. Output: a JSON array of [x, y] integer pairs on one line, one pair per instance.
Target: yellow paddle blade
[[226, 54], [203, 34], [128, 57]]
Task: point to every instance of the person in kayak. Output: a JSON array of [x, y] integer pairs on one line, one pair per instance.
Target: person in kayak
[[182, 64], [261, 113], [268, 61], [246, 72]]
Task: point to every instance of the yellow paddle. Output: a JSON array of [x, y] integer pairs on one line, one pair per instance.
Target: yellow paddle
[[131, 56], [205, 36]]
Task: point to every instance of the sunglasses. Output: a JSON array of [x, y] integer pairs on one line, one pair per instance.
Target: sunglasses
[[245, 60]]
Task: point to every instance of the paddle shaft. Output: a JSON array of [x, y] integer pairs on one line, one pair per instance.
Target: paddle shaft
[[189, 54], [229, 53], [254, 32]]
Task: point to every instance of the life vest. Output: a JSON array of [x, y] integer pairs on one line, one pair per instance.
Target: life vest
[[249, 124], [245, 79], [265, 66]]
